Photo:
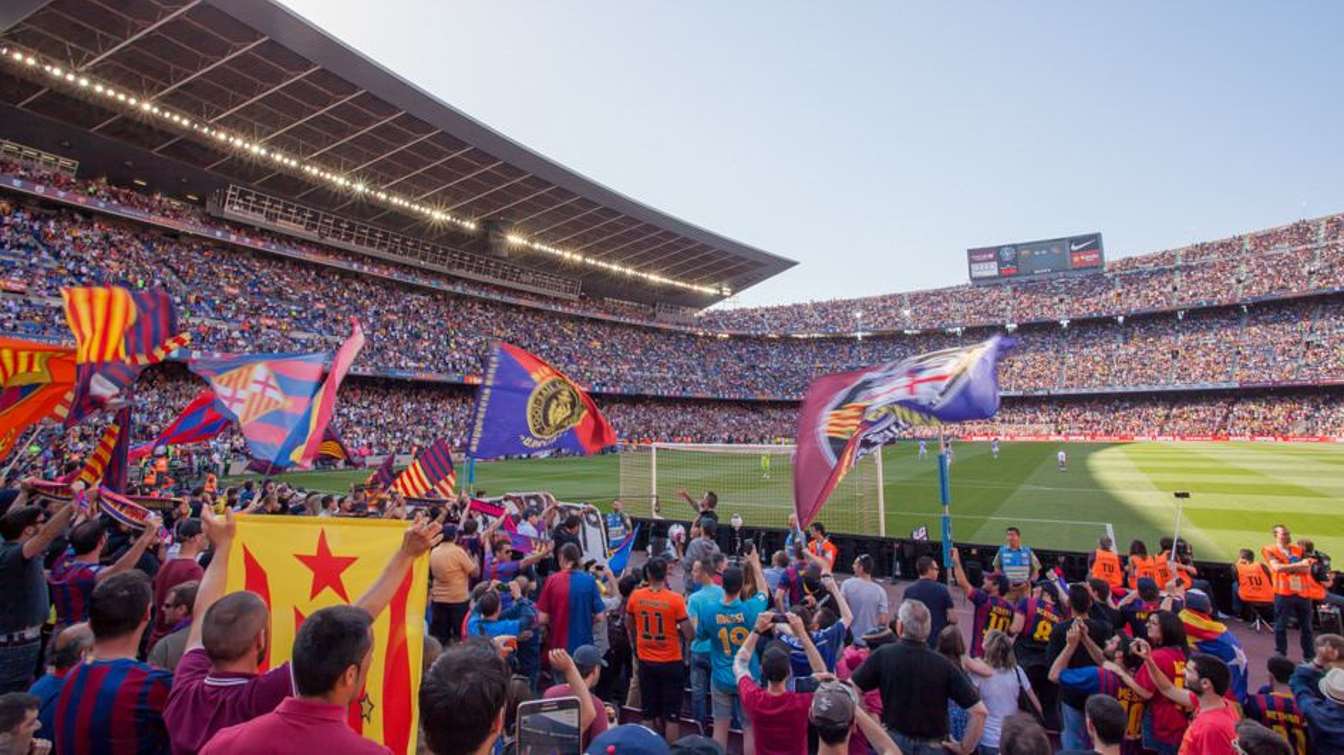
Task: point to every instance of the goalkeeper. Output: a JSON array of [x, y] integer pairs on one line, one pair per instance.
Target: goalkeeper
[[765, 466]]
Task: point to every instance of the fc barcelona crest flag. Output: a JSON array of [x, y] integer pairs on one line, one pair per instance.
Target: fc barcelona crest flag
[[525, 406], [299, 565], [848, 415]]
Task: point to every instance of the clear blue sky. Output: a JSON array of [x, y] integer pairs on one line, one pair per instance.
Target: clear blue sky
[[874, 142]]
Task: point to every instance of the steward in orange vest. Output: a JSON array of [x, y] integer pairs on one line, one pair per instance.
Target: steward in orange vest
[[1141, 565], [1254, 583], [1106, 564]]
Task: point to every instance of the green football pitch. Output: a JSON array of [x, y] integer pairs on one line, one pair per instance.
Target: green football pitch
[[1237, 491]]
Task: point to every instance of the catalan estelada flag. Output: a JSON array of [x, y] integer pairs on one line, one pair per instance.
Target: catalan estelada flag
[[431, 470], [1208, 635], [526, 406], [107, 463], [118, 332], [35, 380], [332, 447], [299, 565]]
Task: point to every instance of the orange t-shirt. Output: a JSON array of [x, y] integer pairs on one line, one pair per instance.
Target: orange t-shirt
[[655, 614]]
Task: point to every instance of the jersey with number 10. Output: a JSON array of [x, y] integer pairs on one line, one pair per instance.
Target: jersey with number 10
[[991, 612], [655, 614], [727, 627]]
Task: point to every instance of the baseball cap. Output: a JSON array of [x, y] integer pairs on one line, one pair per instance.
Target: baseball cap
[[832, 706], [695, 744], [1147, 586], [1332, 685], [588, 656], [628, 739], [1196, 600]]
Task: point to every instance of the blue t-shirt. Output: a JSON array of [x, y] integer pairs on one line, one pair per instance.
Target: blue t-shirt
[[935, 597], [727, 628], [47, 690], [829, 642], [710, 595]]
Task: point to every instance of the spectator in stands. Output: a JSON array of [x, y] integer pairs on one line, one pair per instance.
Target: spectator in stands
[[184, 567], [916, 714], [25, 533], [706, 595], [1074, 734], [1022, 735], [1319, 689], [992, 609], [1164, 653], [726, 626], [114, 703], [702, 546], [1253, 738], [656, 622], [462, 699], [73, 577], [332, 653], [1207, 680], [217, 683], [1106, 724], [19, 725], [176, 610], [452, 568], [826, 629], [70, 648], [1274, 705], [934, 595], [867, 599], [1034, 620], [569, 603], [580, 674], [778, 715]]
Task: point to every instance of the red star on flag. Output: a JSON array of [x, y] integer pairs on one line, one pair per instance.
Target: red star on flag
[[326, 568]]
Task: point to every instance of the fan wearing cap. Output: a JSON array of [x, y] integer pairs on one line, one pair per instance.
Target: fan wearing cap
[[588, 662], [1319, 689], [834, 712]]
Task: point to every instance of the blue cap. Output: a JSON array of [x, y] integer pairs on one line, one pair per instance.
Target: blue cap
[[628, 739], [1197, 600]]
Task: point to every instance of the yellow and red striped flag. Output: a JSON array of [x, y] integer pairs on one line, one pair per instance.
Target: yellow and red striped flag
[[299, 565], [431, 470], [36, 379]]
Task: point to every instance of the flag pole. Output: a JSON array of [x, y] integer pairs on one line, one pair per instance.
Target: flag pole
[[945, 494], [1175, 536]]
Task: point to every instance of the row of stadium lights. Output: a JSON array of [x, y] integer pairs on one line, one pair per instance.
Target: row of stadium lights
[[147, 108]]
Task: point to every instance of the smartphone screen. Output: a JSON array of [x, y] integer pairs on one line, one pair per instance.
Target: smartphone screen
[[548, 727]]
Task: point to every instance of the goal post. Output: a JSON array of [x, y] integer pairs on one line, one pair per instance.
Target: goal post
[[754, 481]]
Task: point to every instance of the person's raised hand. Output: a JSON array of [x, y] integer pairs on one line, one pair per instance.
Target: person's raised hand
[[764, 620], [219, 529], [1075, 633], [1140, 648], [796, 624], [560, 661], [420, 537]]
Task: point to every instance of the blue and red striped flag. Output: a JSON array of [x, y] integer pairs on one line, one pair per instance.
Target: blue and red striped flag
[[198, 422], [431, 470], [268, 395], [383, 476], [324, 403], [118, 332]]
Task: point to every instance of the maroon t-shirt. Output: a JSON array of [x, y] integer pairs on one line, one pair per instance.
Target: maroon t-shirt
[[201, 703], [170, 575], [779, 721]]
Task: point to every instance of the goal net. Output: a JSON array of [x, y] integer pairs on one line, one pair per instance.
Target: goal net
[[754, 481]]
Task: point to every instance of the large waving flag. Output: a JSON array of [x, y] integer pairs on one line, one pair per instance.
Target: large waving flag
[[198, 422], [526, 406], [36, 380], [619, 556], [299, 565], [846, 416], [268, 395], [383, 475], [431, 470], [324, 403], [108, 461], [332, 447], [118, 332]]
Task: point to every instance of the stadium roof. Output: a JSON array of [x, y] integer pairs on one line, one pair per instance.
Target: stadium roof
[[254, 69]]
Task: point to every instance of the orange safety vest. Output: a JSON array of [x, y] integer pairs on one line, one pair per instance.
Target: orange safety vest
[[1285, 583], [1144, 566], [1253, 583], [150, 478], [161, 464], [1311, 589], [211, 483], [1106, 566], [1162, 570]]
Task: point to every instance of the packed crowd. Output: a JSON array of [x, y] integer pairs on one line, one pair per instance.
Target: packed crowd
[[236, 300]]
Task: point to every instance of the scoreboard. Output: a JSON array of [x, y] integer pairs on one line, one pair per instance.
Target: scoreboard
[[1070, 254]]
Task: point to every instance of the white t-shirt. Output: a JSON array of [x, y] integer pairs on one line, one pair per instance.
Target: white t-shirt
[[867, 600], [999, 692], [1061, 457]]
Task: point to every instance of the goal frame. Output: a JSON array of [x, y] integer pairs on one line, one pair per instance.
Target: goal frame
[[758, 448]]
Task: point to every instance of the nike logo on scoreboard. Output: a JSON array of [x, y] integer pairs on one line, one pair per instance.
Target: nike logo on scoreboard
[[1073, 247]]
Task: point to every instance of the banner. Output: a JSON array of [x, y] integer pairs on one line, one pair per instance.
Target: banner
[[299, 565], [525, 406], [846, 416]]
